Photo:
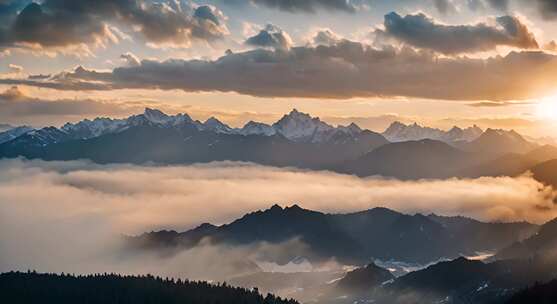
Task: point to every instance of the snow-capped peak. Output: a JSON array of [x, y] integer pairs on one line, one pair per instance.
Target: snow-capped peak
[[156, 116], [352, 129], [398, 131], [213, 124], [93, 128], [14, 133], [299, 126], [257, 128]]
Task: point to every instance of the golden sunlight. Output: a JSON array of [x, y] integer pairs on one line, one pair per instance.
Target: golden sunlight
[[547, 108]]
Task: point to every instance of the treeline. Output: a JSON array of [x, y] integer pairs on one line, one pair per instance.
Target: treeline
[[539, 294], [32, 287]]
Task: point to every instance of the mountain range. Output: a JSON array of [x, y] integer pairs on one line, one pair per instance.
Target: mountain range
[[297, 139], [517, 274], [522, 264], [354, 238], [525, 254], [398, 132]]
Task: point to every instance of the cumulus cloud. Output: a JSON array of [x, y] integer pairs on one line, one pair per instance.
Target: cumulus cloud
[[343, 70], [308, 6], [424, 32], [14, 68], [58, 24], [326, 37], [271, 37], [130, 59]]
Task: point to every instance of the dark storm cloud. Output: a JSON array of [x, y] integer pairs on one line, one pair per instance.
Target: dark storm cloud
[[343, 70], [548, 8], [272, 37], [59, 23], [444, 6], [502, 5], [424, 32], [307, 6]]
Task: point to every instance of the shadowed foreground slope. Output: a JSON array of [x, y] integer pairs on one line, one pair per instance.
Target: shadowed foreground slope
[[17, 287]]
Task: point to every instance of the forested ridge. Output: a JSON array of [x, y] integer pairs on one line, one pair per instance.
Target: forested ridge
[[32, 287]]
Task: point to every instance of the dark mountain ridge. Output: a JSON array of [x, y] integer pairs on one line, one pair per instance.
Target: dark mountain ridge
[[354, 238]]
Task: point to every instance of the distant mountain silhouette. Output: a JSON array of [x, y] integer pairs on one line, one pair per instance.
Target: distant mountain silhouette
[[398, 132], [546, 172], [543, 243], [460, 281], [159, 138], [363, 279], [471, 282], [24, 288], [410, 160], [498, 142], [352, 238]]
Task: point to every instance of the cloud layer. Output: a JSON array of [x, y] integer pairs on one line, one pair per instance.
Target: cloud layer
[[19, 108], [343, 70], [68, 216], [424, 32], [307, 6]]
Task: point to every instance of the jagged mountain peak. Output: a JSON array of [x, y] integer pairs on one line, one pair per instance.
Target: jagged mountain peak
[[213, 124], [398, 132], [14, 133]]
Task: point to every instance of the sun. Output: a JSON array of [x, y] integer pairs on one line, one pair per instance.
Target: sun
[[547, 108]]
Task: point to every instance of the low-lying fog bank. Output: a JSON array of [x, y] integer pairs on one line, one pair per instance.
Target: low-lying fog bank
[[68, 216]]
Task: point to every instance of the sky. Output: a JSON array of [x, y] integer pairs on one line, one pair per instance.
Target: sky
[[436, 62]]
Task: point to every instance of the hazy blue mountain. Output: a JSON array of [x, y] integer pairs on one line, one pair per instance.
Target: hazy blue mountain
[[14, 132], [494, 143], [546, 172], [543, 243], [398, 132], [160, 138], [297, 139], [410, 160]]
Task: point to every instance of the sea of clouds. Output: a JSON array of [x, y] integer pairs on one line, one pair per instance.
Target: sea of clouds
[[69, 216]]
